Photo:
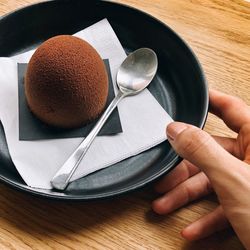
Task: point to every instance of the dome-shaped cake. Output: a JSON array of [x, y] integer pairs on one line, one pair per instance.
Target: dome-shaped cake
[[66, 83]]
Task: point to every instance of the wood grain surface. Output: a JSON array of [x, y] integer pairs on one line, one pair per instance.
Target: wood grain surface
[[219, 33]]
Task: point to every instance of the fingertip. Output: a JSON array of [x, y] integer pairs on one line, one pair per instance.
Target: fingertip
[[160, 206], [173, 124], [157, 207], [213, 92], [169, 128], [184, 235], [170, 124], [221, 104], [174, 129], [190, 233]]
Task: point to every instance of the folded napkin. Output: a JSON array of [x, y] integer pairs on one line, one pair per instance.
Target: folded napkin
[[143, 121]]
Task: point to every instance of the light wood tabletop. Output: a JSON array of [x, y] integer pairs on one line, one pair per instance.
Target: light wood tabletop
[[219, 33]]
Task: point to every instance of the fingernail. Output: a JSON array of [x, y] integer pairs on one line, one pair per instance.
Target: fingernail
[[175, 128]]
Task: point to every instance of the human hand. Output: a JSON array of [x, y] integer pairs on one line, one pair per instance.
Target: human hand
[[220, 164]]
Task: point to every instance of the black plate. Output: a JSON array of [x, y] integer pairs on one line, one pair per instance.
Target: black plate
[[179, 85]]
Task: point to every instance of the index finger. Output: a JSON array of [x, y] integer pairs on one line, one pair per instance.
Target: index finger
[[232, 110]]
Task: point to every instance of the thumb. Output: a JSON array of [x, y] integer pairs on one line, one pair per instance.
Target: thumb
[[198, 147]]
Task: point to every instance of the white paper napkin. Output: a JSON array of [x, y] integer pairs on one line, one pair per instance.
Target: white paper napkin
[[143, 121]]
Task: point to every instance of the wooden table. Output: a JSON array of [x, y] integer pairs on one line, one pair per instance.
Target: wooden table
[[219, 33]]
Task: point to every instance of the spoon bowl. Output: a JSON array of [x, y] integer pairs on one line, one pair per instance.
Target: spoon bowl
[[134, 75], [137, 71]]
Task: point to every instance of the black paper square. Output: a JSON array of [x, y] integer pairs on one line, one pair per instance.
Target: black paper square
[[31, 128]]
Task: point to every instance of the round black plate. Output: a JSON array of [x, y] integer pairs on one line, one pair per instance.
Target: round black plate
[[179, 85]]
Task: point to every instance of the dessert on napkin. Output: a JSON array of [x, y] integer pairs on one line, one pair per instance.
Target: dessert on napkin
[[143, 120], [66, 83]]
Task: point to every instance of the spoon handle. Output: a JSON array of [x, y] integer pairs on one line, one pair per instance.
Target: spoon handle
[[63, 175]]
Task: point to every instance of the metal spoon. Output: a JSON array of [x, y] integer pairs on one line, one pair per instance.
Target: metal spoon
[[134, 75]]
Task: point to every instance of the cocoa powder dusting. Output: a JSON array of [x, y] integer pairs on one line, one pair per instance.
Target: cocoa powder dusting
[[66, 83]]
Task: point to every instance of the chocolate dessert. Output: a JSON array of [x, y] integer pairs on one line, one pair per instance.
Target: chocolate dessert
[[66, 83]]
